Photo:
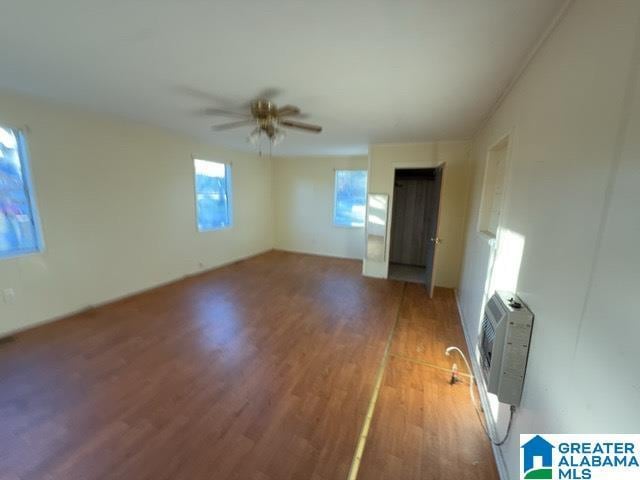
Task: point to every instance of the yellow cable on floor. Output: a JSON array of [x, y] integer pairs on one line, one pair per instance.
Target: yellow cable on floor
[[362, 440]]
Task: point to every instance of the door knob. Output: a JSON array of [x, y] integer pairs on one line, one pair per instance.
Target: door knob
[[436, 240]]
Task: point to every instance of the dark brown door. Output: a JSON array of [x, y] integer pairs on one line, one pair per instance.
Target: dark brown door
[[408, 229]]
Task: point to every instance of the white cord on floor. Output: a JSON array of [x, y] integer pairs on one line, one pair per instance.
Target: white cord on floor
[[478, 408], [447, 352]]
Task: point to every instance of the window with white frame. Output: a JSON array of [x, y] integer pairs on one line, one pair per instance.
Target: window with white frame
[[213, 195], [350, 198], [19, 225]]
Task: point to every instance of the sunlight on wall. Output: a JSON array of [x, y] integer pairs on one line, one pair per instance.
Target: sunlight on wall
[[508, 257], [502, 274]]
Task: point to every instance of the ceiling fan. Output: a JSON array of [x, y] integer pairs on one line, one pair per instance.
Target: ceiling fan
[[269, 120]]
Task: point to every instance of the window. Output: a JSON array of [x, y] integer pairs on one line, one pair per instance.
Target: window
[[350, 200], [19, 232], [213, 195]]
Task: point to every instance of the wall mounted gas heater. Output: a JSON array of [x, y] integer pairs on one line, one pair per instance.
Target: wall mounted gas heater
[[504, 346]]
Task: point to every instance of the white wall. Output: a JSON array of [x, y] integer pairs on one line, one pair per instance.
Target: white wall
[[384, 158], [303, 206], [572, 205], [116, 201]]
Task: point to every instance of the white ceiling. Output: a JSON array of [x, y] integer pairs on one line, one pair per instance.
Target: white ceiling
[[368, 71]]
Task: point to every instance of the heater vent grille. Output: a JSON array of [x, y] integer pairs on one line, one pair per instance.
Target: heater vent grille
[[488, 337]]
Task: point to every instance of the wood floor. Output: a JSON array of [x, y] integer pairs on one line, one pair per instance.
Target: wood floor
[[261, 370]]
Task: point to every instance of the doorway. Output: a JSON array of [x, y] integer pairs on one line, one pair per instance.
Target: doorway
[[414, 224]]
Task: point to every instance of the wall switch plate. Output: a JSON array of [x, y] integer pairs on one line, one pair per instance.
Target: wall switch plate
[[9, 296]]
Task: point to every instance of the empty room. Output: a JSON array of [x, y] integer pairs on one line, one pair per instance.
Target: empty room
[[294, 240]]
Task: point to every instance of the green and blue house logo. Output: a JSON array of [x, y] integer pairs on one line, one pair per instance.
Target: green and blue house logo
[[537, 459], [580, 456]]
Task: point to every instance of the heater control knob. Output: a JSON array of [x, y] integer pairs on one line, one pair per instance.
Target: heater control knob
[[514, 304]]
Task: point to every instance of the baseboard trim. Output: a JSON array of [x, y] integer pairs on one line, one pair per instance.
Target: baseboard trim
[[17, 331], [316, 254], [484, 399]]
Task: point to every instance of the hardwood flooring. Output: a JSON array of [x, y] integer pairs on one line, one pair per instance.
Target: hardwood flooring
[[424, 428], [427, 326], [260, 370]]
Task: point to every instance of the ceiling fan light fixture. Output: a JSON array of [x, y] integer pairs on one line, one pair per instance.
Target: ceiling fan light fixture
[[254, 136], [278, 137]]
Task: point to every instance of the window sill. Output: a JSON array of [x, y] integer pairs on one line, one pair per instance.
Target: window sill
[[215, 229], [489, 237], [21, 254], [351, 227]]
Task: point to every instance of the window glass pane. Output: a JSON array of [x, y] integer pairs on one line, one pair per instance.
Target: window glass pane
[[351, 193], [18, 232], [213, 199]]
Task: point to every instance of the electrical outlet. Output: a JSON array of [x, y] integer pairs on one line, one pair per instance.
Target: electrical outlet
[[9, 296]]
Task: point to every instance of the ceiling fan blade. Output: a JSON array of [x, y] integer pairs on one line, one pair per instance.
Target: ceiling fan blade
[[288, 111], [207, 97], [225, 113], [302, 126], [228, 126]]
